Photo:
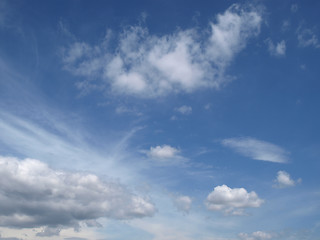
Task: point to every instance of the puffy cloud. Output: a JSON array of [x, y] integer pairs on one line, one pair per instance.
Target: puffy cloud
[[33, 195], [163, 152], [183, 203], [276, 50], [232, 200], [284, 180], [186, 110], [147, 66], [257, 149], [258, 235]]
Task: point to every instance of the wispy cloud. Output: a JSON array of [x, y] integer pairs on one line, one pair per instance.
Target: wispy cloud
[[147, 66], [185, 110], [307, 37], [276, 50], [182, 203], [258, 235], [232, 200], [257, 149]]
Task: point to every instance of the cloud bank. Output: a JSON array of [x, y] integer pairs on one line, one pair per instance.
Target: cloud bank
[[257, 149], [34, 195], [148, 66], [232, 200]]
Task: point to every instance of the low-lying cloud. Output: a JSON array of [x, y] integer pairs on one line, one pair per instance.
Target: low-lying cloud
[[34, 195]]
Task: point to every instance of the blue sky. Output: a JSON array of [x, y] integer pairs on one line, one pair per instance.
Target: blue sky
[[159, 120]]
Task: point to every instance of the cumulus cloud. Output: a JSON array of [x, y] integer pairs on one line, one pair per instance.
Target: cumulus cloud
[[148, 66], [276, 50], [257, 149], [183, 203], [284, 180], [232, 200], [186, 110], [258, 235], [34, 195], [163, 152]]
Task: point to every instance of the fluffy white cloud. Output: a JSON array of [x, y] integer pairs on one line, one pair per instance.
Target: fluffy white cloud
[[186, 110], [33, 195], [232, 200], [258, 235], [163, 152], [257, 149], [183, 203], [284, 180], [147, 66], [277, 50]]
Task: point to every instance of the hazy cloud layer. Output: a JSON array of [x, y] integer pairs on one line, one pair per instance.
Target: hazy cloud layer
[[232, 200], [257, 149], [258, 235], [33, 195], [147, 66]]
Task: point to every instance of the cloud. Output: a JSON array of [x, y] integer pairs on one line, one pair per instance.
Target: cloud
[[294, 8], [163, 152], [33, 195], [257, 149], [232, 200], [183, 203], [284, 180], [185, 110], [276, 50], [307, 38], [148, 66], [258, 235]]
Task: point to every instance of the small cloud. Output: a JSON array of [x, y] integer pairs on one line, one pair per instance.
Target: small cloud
[[185, 110], [258, 235], [207, 106], [183, 203], [285, 25], [257, 149], [276, 50], [232, 200], [49, 232], [284, 180], [294, 8], [163, 152], [307, 38]]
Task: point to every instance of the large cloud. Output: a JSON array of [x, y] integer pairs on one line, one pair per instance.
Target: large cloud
[[147, 66], [33, 195], [232, 200], [257, 149]]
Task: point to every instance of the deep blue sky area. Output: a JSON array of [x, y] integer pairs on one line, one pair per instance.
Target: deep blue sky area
[[159, 120]]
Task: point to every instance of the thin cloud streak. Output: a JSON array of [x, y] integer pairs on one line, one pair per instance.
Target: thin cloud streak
[[257, 149]]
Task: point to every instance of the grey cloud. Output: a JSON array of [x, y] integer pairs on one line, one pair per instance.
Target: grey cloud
[[34, 195]]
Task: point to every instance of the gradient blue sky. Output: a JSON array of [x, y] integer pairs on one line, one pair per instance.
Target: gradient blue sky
[[159, 120]]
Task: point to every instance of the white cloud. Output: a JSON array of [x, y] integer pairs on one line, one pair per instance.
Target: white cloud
[[232, 200], [33, 195], [186, 110], [307, 38], [183, 203], [284, 180], [257, 149], [163, 152], [258, 235], [147, 66], [276, 50]]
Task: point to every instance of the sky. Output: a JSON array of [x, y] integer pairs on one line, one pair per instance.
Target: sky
[[159, 120]]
